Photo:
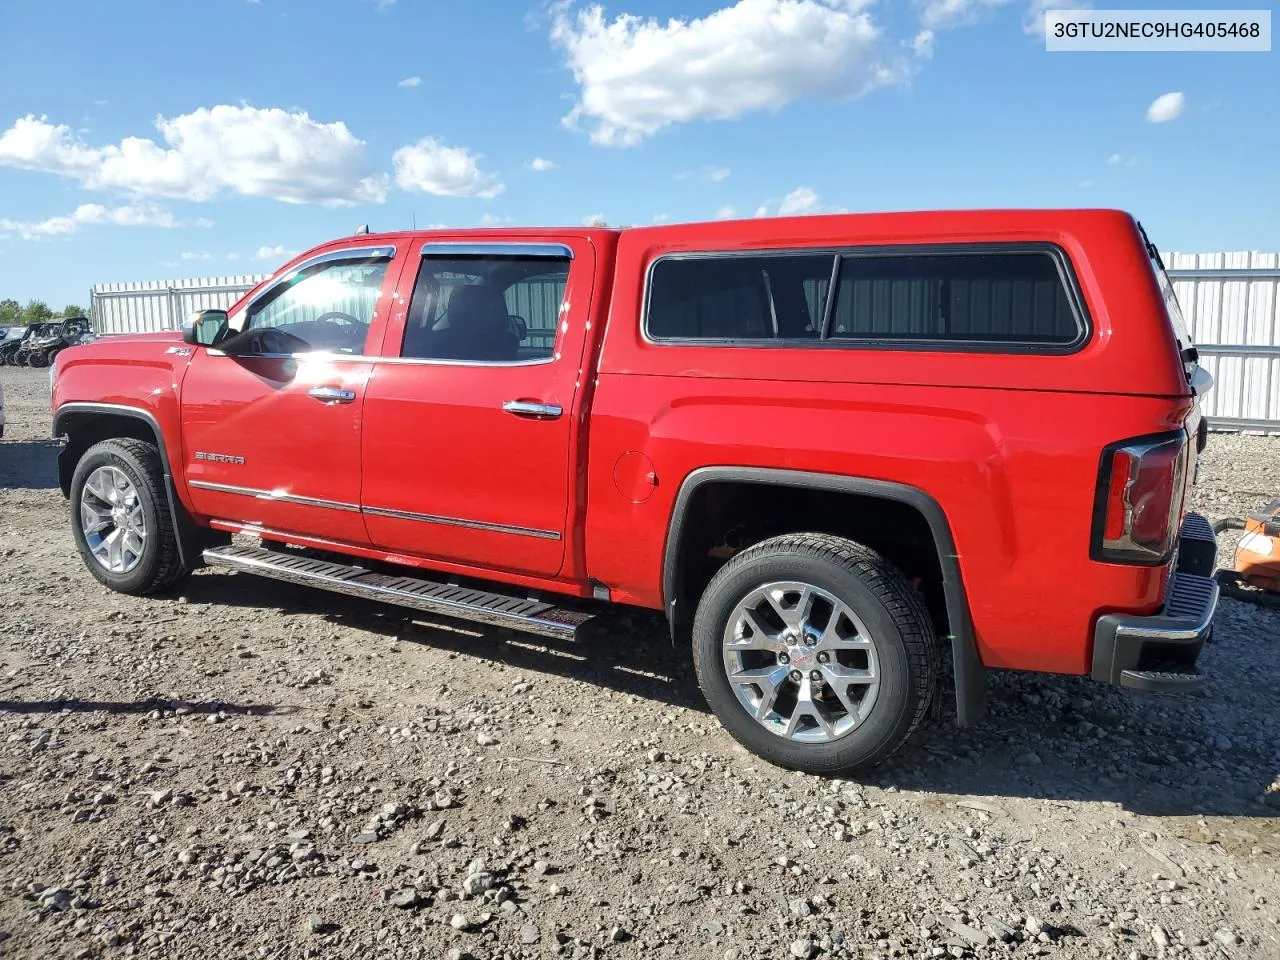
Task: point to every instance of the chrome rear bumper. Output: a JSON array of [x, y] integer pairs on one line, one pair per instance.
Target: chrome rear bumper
[[1159, 652]]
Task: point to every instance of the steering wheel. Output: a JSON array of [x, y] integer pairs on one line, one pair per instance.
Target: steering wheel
[[273, 340], [340, 318]]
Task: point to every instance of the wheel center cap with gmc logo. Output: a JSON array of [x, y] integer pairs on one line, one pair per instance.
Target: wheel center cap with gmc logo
[[801, 657]]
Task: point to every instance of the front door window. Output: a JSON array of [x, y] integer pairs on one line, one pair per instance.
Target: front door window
[[328, 308]]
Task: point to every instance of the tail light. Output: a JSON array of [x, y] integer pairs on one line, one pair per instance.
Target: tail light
[[1139, 500]]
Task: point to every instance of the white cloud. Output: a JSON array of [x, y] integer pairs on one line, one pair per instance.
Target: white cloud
[[431, 167], [232, 256], [410, 82], [94, 214], [944, 14], [761, 211], [1167, 107], [1120, 160], [637, 75], [196, 255], [542, 165], [948, 14], [486, 220], [661, 217], [725, 213], [709, 173], [922, 44], [1033, 19], [279, 253], [594, 220], [213, 150], [799, 202]]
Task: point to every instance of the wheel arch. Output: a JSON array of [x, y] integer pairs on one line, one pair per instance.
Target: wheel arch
[[83, 424], [970, 684]]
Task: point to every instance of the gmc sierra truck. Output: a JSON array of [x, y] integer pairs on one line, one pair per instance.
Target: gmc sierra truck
[[849, 457]]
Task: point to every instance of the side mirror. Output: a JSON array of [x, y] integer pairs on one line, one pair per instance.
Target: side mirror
[[204, 328]]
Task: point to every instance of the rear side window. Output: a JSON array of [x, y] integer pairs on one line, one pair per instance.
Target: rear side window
[[739, 298], [951, 298], [987, 298]]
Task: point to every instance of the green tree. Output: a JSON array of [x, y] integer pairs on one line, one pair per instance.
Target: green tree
[[36, 311], [72, 310], [10, 312]]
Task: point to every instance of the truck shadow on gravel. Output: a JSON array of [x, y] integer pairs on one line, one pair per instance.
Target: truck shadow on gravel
[[1050, 738], [144, 706], [627, 651], [29, 464]]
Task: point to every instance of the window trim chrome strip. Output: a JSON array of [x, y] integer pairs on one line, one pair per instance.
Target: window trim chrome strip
[[324, 357], [272, 495], [276, 496], [444, 362], [385, 251], [456, 522], [498, 248]]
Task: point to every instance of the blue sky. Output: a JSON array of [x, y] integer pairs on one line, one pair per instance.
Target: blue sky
[[152, 140]]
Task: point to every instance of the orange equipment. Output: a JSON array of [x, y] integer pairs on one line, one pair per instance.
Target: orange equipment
[[1258, 553]]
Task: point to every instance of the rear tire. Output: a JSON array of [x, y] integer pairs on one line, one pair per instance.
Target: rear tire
[[38, 359], [126, 500], [833, 686]]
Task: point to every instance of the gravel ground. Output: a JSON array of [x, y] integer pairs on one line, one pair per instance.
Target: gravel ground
[[249, 769]]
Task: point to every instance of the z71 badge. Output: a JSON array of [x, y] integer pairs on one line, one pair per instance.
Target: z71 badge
[[218, 457]]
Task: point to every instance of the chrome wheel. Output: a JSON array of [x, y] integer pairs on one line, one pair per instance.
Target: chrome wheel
[[111, 519], [801, 662]]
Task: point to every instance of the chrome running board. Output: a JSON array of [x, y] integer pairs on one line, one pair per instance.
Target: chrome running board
[[464, 603]]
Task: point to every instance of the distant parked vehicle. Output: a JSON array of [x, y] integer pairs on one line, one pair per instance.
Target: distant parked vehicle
[[40, 349], [12, 342]]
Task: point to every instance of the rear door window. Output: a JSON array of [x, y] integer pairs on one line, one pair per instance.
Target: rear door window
[[486, 308]]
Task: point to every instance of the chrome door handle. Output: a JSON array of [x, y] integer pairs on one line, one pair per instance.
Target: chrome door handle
[[332, 394], [527, 408]]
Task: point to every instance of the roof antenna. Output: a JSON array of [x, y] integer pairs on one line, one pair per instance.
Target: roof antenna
[[362, 229]]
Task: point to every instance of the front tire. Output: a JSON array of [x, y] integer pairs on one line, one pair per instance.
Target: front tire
[[38, 359], [120, 517], [815, 653]]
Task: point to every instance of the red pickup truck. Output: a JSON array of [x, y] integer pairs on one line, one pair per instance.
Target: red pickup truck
[[848, 456]]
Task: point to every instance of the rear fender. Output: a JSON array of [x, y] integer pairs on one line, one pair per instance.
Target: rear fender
[[970, 681]]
